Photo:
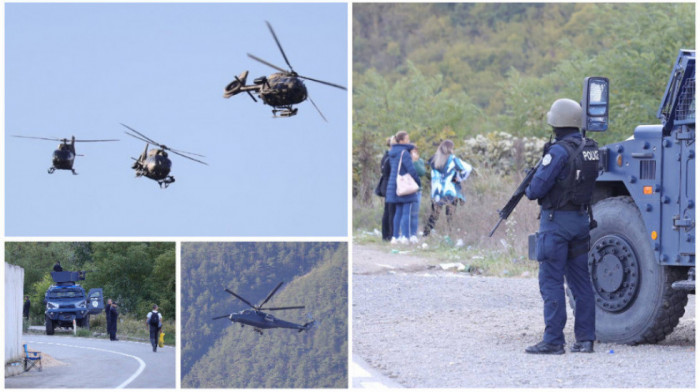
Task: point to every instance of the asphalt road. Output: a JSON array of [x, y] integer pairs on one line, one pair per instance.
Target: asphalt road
[[427, 328], [97, 363]]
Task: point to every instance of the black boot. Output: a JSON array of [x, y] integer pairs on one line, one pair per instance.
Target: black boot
[[545, 348], [585, 346]]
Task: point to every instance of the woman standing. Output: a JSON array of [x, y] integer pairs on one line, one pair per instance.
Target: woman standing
[[419, 165], [401, 163], [447, 173]]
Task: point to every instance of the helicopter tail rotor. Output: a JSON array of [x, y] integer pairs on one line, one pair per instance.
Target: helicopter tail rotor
[[308, 326]]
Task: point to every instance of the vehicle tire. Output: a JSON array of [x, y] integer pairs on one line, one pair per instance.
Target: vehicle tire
[[634, 299], [49, 325]]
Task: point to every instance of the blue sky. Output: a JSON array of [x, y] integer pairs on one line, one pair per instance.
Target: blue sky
[[81, 69]]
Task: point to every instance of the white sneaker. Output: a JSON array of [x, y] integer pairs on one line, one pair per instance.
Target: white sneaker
[[403, 240], [394, 241], [413, 239]]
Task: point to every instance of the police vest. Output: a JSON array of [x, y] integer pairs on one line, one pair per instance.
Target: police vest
[[576, 188]]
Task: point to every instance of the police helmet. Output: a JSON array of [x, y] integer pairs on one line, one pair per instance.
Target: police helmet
[[565, 113]]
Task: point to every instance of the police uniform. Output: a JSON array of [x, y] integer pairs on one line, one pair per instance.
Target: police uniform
[[559, 184]]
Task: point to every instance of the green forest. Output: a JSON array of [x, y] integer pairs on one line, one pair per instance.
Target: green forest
[[219, 354], [134, 274], [458, 70]]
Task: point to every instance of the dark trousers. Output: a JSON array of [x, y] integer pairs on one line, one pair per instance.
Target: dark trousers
[[388, 221], [154, 336], [113, 333], [562, 250]]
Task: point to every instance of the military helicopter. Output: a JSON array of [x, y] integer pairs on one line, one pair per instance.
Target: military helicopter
[[281, 90], [154, 164], [260, 320], [65, 154]]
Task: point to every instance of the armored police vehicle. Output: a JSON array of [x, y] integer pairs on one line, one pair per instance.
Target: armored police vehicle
[[66, 301], [642, 256]]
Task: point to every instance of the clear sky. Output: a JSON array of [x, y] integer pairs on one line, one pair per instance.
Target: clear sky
[[81, 69]]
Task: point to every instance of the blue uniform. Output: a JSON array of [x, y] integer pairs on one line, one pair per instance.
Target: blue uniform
[[562, 250]]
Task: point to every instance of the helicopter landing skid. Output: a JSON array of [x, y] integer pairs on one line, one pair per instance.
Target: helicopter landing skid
[[166, 181], [284, 112], [258, 330]]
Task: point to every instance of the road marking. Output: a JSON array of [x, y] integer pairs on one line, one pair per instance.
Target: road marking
[[142, 364]]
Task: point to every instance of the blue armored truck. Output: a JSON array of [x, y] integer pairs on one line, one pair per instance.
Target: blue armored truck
[[642, 256], [66, 301]]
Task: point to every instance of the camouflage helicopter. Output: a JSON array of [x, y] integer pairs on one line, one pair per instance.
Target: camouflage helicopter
[[155, 164], [281, 90], [260, 320], [64, 155]]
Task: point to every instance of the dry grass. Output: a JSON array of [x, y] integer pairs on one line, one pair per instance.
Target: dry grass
[[486, 192]]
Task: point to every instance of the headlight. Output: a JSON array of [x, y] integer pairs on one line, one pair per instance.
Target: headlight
[[51, 305]]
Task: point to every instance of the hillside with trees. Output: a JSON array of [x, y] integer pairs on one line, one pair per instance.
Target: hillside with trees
[[135, 274], [458, 70], [219, 354]]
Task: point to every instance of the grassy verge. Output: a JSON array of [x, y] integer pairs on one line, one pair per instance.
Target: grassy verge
[[465, 239]]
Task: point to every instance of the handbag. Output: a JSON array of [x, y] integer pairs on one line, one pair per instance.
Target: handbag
[[405, 184]]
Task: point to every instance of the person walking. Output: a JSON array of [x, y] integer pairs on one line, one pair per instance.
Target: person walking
[[401, 164], [563, 186], [446, 175], [26, 307], [154, 320]]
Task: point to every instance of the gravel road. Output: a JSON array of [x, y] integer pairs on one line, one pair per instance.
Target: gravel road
[[427, 328]]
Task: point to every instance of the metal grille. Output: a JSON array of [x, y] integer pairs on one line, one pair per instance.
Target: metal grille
[[647, 170], [685, 111]]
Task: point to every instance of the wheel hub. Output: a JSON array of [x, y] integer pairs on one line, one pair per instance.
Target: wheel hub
[[614, 273]]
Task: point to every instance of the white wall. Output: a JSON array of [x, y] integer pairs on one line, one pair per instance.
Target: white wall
[[14, 299]]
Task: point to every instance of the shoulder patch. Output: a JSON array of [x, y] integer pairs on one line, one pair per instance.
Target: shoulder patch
[[546, 160]]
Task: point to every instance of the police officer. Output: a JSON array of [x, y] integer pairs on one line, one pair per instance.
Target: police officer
[[563, 186]]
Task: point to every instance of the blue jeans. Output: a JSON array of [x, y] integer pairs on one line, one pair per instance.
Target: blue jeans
[[415, 207], [402, 220]]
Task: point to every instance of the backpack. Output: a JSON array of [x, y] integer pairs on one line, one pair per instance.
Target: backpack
[[154, 320]]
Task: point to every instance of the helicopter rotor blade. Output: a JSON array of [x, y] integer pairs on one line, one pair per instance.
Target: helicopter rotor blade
[[220, 317], [186, 152], [239, 297], [40, 138], [100, 140], [185, 156], [270, 295], [267, 63], [284, 307], [322, 82], [269, 26], [317, 109], [147, 139], [140, 138]]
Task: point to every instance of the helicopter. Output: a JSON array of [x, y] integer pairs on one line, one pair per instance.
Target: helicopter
[[64, 155], [260, 320], [155, 164], [281, 90]]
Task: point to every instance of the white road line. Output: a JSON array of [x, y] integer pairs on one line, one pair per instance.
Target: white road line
[[142, 364]]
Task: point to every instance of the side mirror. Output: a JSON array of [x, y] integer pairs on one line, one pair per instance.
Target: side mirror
[[595, 103]]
